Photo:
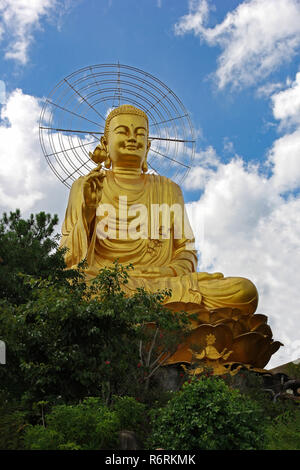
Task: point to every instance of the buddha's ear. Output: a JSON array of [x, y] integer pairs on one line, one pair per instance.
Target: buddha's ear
[[148, 146]]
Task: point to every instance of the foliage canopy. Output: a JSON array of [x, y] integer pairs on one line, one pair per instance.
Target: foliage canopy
[[206, 414]]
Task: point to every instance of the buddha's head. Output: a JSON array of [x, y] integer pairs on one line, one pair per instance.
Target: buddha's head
[[125, 141]]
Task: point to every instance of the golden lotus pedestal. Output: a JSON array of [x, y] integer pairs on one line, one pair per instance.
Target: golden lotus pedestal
[[224, 338]]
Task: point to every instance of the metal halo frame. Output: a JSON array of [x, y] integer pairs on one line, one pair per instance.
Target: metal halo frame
[[73, 118]]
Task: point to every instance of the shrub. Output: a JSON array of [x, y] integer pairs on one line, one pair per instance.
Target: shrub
[[40, 438], [284, 432], [12, 425], [130, 412], [207, 414], [89, 425]]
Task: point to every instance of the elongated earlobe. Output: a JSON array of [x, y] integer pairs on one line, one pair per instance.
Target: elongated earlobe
[[107, 163], [145, 166]]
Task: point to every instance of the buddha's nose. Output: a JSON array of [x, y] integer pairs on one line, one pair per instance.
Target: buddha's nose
[[131, 134]]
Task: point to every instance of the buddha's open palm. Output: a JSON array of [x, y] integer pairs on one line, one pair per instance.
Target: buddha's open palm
[[92, 187]]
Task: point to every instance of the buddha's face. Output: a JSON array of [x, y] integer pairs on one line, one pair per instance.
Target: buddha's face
[[127, 141]]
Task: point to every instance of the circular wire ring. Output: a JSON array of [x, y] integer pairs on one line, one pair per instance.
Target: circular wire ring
[[73, 118]]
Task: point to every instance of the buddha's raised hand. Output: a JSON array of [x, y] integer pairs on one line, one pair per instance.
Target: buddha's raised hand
[[92, 187]]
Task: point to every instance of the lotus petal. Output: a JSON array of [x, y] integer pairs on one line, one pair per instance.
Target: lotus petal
[[203, 317], [237, 313], [256, 320], [264, 357], [238, 329], [246, 347], [264, 330], [220, 313], [182, 354]]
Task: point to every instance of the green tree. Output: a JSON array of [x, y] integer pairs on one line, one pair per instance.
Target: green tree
[[206, 414], [28, 247], [76, 339]]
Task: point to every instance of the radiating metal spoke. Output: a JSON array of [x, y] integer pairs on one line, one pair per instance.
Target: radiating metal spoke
[[168, 120], [58, 129], [75, 171], [97, 83], [119, 84], [90, 105], [171, 140], [118, 93], [72, 112], [169, 158], [152, 167], [158, 101], [71, 148]]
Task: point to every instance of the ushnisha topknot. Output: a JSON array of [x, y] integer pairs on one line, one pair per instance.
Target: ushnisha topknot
[[124, 109]]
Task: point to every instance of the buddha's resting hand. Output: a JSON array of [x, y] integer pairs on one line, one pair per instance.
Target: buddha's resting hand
[[153, 271]]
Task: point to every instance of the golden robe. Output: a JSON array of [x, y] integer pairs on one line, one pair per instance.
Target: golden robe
[[190, 290]]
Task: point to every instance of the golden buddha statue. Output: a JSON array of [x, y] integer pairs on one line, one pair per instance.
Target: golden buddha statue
[[114, 213]]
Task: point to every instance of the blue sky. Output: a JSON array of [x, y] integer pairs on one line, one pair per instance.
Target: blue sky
[[234, 65]]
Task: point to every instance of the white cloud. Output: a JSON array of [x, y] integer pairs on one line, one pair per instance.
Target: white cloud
[[228, 146], [256, 38], [2, 92], [248, 224], [205, 162], [26, 181], [243, 227], [19, 19], [286, 104], [207, 157], [197, 178], [268, 89], [285, 158]]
